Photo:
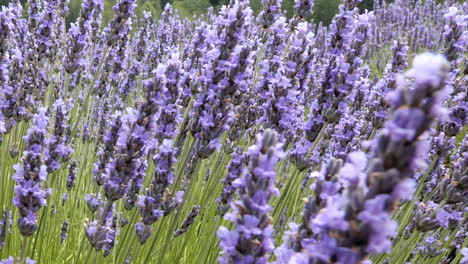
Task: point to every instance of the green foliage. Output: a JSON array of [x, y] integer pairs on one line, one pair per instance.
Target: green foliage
[[324, 10]]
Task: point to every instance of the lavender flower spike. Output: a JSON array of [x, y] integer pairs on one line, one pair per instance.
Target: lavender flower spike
[[29, 174], [5, 224], [234, 170], [362, 217], [251, 241], [58, 150], [188, 221]]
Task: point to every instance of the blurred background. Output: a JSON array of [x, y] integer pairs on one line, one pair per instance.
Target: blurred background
[[324, 10]]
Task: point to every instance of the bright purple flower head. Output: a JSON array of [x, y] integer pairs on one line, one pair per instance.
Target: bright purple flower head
[[251, 241]]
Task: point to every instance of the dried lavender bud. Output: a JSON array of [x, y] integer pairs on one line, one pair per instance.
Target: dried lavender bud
[[14, 151], [425, 219], [454, 188], [119, 220], [5, 224], [98, 236], [64, 230], [71, 178], [431, 247], [188, 221], [143, 232]]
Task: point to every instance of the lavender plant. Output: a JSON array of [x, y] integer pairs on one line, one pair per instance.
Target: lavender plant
[[141, 127]]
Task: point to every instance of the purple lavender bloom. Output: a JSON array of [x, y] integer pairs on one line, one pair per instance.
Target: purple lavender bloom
[[455, 35], [93, 201], [454, 188], [29, 175], [370, 195], [33, 14], [132, 144], [283, 102], [4, 227], [119, 27], [79, 36], [464, 252], [340, 67], [222, 79], [235, 169], [139, 48], [64, 197], [58, 150], [303, 8], [135, 186], [431, 247], [298, 238], [9, 260], [171, 112], [377, 109], [251, 241], [100, 237], [45, 33], [96, 20], [158, 201], [270, 13], [107, 151]]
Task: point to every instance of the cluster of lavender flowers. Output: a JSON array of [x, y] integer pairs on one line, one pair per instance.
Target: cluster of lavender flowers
[[143, 111], [251, 241], [30, 174]]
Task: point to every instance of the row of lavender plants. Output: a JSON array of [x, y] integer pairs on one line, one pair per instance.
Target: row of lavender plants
[[234, 137]]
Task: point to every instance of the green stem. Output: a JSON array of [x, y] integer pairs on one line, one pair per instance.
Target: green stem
[[23, 250], [88, 95], [318, 139]]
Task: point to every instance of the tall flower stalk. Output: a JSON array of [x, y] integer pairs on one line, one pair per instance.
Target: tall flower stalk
[[251, 241], [30, 175]]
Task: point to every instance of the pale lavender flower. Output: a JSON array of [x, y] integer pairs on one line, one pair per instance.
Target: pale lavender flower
[[222, 81], [251, 241], [9, 260], [270, 13], [464, 252], [29, 196], [58, 150], [234, 171], [396, 152]]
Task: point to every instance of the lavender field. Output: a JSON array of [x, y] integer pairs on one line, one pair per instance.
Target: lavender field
[[234, 137]]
